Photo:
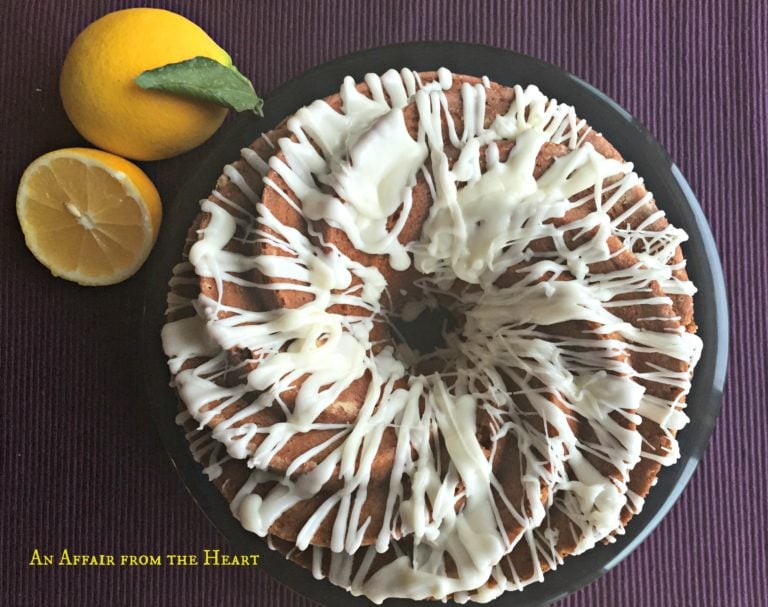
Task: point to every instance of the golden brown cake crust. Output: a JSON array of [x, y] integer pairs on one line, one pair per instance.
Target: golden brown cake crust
[[654, 317]]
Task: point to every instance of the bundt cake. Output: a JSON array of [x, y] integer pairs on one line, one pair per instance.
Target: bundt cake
[[536, 423]]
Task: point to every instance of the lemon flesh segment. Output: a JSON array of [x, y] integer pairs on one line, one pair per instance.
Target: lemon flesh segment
[[89, 216]]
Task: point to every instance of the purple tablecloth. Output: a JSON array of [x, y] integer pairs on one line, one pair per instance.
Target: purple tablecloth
[[82, 465]]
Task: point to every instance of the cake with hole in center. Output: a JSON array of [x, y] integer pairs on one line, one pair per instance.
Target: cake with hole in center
[[431, 335]]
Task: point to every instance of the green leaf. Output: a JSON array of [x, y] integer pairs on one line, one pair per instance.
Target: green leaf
[[205, 79]]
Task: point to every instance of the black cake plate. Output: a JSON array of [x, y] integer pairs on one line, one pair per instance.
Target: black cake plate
[[634, 142]]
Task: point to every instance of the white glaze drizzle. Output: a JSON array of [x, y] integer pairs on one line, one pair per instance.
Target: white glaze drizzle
[[474, 233]]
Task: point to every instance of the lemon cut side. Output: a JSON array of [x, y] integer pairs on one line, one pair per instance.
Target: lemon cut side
[[89, 216]]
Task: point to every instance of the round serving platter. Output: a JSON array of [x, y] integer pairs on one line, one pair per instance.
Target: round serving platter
[[662, 177]]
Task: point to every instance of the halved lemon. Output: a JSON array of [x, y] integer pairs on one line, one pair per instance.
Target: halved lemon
[[89, 216]]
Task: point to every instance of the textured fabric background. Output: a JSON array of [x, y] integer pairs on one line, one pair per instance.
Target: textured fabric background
[[82, 466]]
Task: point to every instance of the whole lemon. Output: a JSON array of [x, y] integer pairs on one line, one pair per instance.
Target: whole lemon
[[111, 111]]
